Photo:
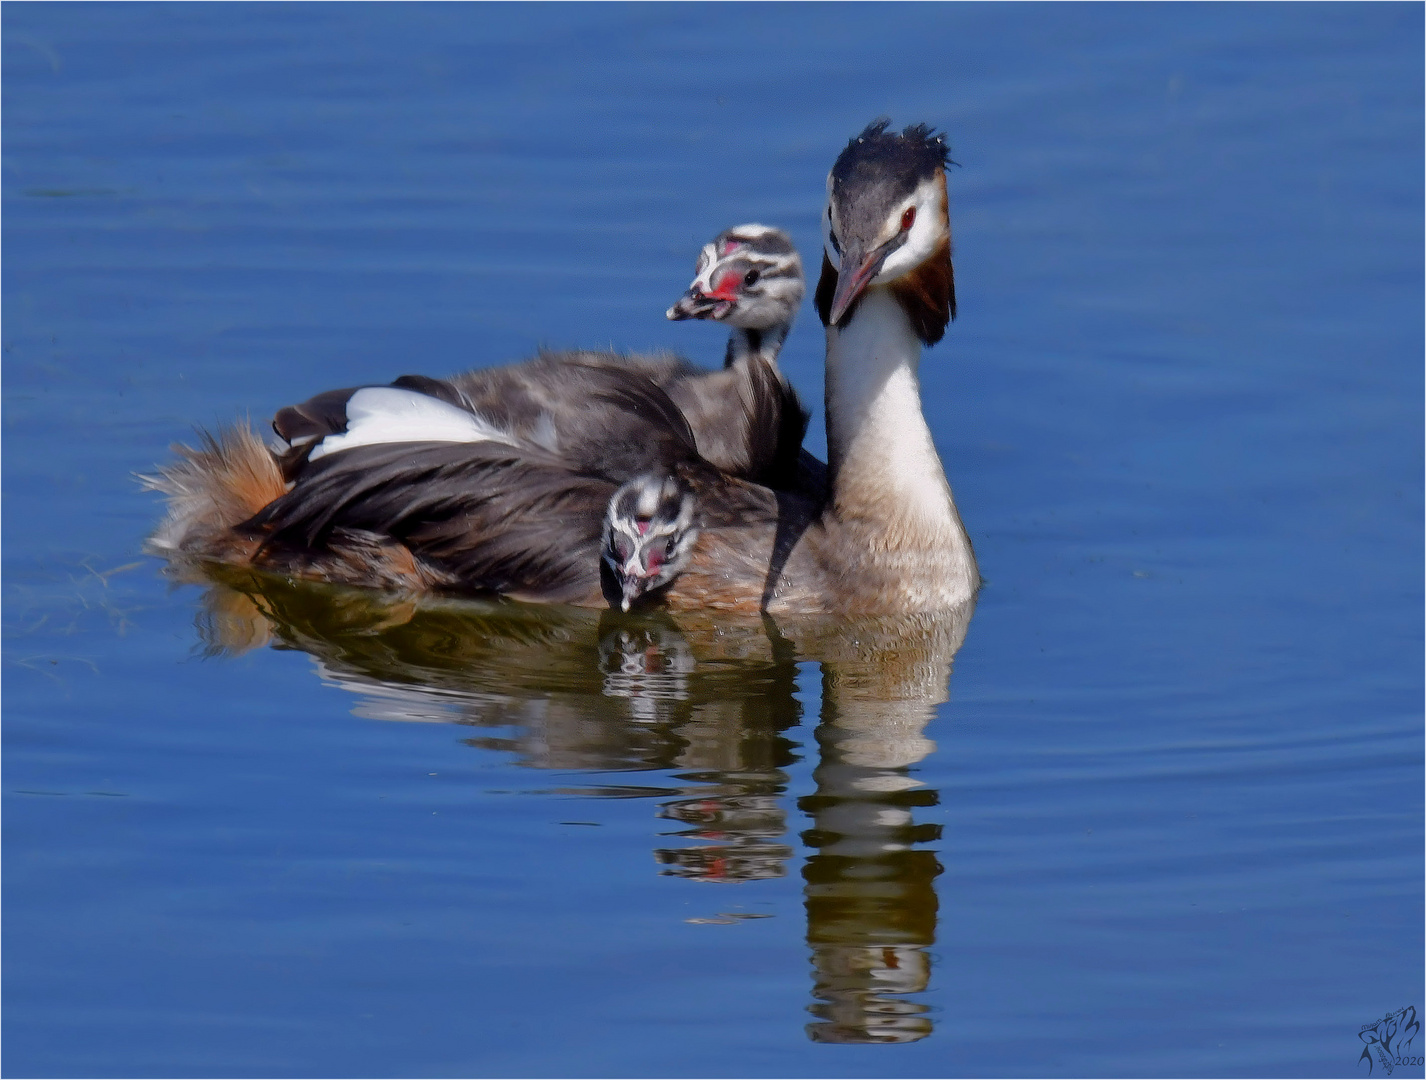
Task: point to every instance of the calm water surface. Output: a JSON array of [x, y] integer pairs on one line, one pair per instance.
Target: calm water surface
[[1162, 819]]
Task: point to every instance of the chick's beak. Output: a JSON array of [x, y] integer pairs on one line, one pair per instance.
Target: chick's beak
[[694, 304], [633, 589]]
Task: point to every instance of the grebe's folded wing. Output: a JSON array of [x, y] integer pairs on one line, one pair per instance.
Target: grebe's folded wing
[[494, 517]]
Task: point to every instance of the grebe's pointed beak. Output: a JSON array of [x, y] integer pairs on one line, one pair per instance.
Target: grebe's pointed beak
[[858, 268], [694, 304], [633, 589]]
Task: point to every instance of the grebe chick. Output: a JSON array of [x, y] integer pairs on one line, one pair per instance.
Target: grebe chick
[[749, 278], [746, 419], [649, 533]]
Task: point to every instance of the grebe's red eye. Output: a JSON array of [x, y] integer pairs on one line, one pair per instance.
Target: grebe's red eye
[[908, 219]]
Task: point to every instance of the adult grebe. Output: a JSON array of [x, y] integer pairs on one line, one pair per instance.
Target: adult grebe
[[889, 539], [493, 510]]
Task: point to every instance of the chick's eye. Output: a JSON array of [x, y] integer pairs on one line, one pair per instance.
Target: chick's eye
[[751, 277], [908, 219], [668, 548]]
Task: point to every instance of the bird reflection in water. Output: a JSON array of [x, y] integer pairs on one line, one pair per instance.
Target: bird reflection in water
[[871, 907], [707, 701], [646, 668], [738, 779]]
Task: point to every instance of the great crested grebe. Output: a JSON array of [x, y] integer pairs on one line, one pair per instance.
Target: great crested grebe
[[520, 510], [889, 539]]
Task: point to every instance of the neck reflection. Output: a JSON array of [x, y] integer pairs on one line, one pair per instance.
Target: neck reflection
[[871, 904]]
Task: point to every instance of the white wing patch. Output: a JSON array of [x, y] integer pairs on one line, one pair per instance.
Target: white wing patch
[[386, 414]]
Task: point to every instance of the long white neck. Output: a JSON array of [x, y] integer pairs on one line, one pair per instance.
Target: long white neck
[[885, 471], [744, 344]]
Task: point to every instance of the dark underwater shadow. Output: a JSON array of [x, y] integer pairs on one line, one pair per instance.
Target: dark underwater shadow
[[707, 700]]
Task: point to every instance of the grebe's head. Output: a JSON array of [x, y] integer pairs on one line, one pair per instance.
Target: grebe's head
[[649, 533], [749, 276], [887, 222]]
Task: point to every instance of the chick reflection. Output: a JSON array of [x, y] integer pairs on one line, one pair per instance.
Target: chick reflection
[[571, 689], [601, 692], [744, 827], [646, 667], [736, 802]]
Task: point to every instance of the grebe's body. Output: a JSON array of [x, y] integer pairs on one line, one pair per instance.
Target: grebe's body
[[518, 506], [506, 480], [468, 508]]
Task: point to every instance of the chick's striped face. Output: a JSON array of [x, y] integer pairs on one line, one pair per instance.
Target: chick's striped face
[[749, 277], [649, 534]]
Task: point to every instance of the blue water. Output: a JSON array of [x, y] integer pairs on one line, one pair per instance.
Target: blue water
[[1167, 823]]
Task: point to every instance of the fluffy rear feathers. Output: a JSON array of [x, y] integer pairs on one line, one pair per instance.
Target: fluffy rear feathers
[[220, 483]]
